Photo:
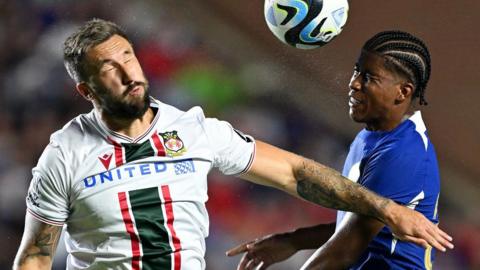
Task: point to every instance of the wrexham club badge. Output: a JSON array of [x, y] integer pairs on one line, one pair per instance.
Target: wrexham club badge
[[173, 144]]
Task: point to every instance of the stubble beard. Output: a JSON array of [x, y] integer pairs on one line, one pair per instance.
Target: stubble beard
[[122, 108]]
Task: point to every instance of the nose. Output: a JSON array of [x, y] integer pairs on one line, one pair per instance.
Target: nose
[[355, 83], [128, 74]]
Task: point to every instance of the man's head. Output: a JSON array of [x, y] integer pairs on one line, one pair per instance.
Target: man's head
[[101, 60], [392, 70]]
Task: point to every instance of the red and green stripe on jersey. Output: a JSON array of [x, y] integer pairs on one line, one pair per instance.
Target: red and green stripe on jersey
[[127, 152], [148, 217]]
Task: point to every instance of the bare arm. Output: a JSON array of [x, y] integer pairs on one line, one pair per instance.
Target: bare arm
[[344, 248], [322, 185], [265, 251], [38, 245]]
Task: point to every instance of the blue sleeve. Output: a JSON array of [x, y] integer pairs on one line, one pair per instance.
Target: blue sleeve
[[394, 171]]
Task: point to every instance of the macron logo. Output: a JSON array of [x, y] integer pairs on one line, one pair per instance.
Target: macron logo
[[105, 159]]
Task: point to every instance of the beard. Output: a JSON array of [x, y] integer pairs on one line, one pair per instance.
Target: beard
[[121, 107]]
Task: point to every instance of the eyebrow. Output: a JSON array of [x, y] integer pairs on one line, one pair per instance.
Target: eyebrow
[[108, 61], [105, 61]]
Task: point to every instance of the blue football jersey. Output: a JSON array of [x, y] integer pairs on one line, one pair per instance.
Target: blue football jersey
[[401, 165]]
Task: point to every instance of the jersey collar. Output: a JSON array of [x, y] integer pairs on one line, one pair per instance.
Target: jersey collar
[[155, 104]]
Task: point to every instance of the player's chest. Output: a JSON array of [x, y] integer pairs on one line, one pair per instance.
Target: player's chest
[[174, 155]]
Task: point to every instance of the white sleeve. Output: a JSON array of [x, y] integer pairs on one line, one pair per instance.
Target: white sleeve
[[233, 151], [47, 197]]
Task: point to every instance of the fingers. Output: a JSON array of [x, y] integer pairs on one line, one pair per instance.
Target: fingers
[[243, 262], [445, 238], [249, 263], [416, 228], [237, 250], [436, 237], [262, 266], [444, 234], [433, 240], [415, 240], [441, 240], [429, 236]]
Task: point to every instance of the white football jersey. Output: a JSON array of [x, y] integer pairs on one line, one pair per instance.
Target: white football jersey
[[135, 203]]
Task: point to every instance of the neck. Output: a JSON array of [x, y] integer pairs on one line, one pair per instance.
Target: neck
[[391, 122], [129, 127]]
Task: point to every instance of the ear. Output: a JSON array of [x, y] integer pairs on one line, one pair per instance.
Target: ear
[[405, 92], [84, 90]]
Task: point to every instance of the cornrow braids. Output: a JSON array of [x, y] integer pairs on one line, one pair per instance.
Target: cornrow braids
[[407, 55]]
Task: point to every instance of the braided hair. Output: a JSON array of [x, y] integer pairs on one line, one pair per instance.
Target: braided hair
[[405, 54]]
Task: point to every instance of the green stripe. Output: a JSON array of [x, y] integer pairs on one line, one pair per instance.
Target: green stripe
[[134, 151], [149, 221]]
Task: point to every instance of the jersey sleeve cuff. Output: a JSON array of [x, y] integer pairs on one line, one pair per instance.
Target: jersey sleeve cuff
[[45, 220], [250, 161]]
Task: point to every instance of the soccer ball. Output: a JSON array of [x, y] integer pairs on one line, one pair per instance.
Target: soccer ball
[[306, 24]]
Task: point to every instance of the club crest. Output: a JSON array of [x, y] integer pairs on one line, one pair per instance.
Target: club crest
[[173, 144]]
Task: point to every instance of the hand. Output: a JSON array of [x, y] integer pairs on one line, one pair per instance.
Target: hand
[[410, 225], [263, 252]]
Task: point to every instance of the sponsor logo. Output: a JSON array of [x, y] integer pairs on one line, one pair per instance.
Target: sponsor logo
[[173, 144], [184, 167], [134, 171], [105, 159]]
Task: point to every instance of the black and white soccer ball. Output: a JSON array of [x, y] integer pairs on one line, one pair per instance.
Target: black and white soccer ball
[[306, 24]]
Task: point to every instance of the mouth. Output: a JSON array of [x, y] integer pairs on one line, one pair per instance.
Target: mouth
[[135, 91], [353, 102]]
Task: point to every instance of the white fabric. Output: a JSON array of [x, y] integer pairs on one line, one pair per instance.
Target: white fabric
[[72, 186]]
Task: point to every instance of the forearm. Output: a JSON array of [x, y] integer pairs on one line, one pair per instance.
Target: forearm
[[38, 245], [310, 237], [37, 254], [33, 257], [345, 247], [321, 260], [324, 186], [38, 263]]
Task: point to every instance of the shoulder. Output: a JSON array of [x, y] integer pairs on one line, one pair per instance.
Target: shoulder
[[194, 116], [62, 142], [171, 114], [406, 142], [73, 132], [69, 146]]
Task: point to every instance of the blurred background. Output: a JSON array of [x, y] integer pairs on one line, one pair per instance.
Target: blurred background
[[221, 55]]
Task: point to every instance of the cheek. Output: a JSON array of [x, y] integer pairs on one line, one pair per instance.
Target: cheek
[[381, 104], [138, 69], [110, 80], [375, 101]]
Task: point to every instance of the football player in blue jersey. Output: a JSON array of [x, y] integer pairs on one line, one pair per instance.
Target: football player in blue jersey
[[392, 156], [113, 224]]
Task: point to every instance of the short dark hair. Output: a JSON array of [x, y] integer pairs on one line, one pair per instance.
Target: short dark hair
[[92, 33], [405, 54]]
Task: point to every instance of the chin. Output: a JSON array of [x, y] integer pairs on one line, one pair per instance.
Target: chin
[[356, 117]]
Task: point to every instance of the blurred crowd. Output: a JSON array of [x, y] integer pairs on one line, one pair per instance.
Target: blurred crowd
[[37, 97]]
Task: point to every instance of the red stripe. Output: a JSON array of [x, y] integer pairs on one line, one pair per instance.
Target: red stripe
[[122, 197], [55, 223], [118, 152], [158, 144], [176, 241]]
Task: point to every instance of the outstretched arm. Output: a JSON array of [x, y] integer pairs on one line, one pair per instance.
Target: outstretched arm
[[38, 245], [344, 248], [322, 185], [263, 252]]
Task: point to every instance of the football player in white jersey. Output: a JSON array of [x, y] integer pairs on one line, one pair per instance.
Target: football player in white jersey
[[127, 181]]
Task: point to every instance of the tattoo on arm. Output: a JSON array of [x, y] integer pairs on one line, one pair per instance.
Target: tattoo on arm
[[42, 243], [325, 186]]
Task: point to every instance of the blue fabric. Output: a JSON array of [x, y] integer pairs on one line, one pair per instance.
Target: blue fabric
[[401, 165]]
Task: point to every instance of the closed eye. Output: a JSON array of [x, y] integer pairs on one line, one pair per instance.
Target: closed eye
[[107, 68]]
